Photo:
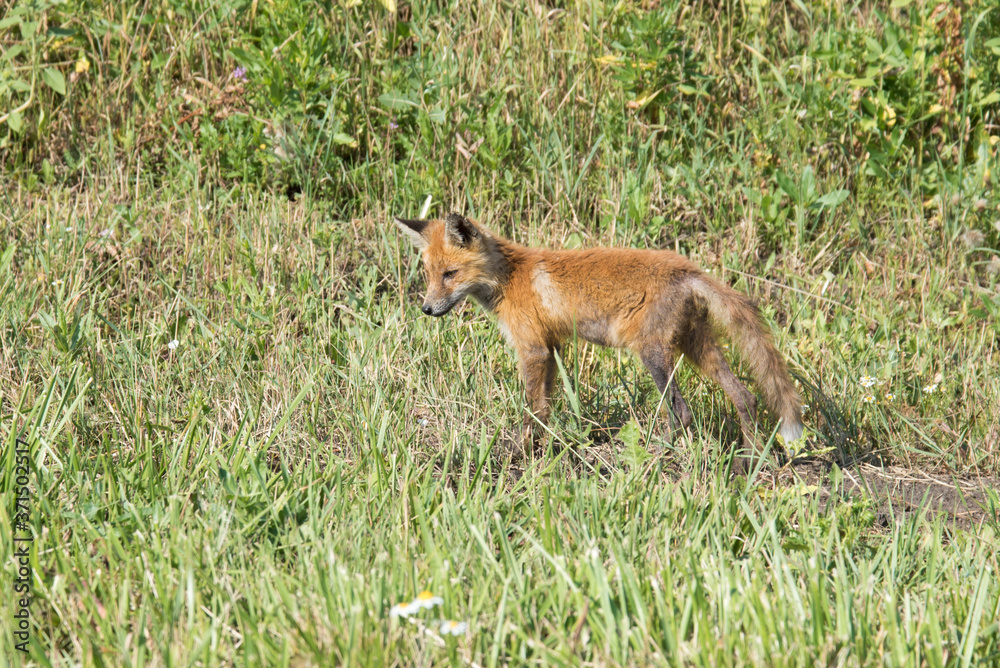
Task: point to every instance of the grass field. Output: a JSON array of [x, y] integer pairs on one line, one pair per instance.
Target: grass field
[[247, 444]]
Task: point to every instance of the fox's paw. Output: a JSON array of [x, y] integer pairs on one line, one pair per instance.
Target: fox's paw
[[531, 441], [791, 432], [741, 466]]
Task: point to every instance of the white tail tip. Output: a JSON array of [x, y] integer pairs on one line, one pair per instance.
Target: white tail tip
[[791, 432]]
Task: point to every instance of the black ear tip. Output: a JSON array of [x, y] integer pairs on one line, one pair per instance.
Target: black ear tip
[[415, 225]]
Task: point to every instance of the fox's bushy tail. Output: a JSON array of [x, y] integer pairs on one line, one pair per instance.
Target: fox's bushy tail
[[736, 314]]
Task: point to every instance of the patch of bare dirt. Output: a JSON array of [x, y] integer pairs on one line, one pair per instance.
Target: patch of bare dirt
[[963, 501]]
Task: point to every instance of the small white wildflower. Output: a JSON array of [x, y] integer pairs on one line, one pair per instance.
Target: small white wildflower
[[930, 389], [423, 422], [69, 229], [868, 400], [402, 610], [889, 396], [426, 600], [56, 283], [449, 627], [867, 381], [173, 344]]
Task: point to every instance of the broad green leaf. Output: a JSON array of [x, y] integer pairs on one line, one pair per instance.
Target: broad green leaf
[[396, 101], [808, 181], [15, 121], [277, 90], [630, 433], [28, 29], [241, 56], [11, 53], [47, 320], [787, 185], [874, 48], [6, 257], [831, 200], [344, 139], [769, 206], [55, 80], [992, 98]]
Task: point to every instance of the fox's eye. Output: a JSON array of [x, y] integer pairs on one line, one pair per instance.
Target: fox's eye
[[450, 273]]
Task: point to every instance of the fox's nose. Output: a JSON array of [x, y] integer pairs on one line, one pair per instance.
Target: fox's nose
[[426, 308]]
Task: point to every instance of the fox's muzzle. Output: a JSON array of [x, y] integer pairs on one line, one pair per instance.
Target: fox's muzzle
[[436, 310]]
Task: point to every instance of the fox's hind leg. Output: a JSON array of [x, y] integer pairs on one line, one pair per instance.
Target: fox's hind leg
[[659, 360], [699, 344]]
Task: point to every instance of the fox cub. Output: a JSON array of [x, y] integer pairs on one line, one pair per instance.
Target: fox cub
[[653, 302]]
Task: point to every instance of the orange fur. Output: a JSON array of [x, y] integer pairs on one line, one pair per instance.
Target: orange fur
[[655, 303]]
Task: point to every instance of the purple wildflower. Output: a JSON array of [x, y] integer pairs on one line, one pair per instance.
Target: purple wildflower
[[393, 126], [240, 74]]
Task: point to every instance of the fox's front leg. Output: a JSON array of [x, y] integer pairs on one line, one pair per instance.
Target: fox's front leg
[[538, 370]]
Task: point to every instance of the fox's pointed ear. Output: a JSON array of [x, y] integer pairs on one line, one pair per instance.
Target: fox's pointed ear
[[414, 229], [461, 231]]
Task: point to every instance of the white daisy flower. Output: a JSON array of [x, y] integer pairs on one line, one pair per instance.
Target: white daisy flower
[[402, 610], [868, 400], [889, 396], [930, 389], [449, 627], [867, 381], [173, 344], [426, 600]]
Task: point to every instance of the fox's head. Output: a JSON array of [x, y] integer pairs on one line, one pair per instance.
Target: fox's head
[[460, 260]]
